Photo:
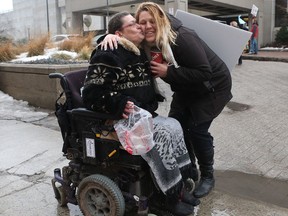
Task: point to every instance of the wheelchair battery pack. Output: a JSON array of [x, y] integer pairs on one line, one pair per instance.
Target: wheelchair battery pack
[[97, 150]]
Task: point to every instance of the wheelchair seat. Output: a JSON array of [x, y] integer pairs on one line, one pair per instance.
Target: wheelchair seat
[[72, 83]]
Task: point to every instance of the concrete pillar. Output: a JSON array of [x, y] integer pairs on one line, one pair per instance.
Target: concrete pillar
[[261, 26], [74, 23], [77, 23], [268, 21], [172, 5]]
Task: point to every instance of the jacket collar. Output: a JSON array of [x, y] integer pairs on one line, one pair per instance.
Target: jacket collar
[[175, 23], [128, 45]]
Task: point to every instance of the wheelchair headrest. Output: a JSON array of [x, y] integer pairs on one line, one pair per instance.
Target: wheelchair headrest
[[74, 81]]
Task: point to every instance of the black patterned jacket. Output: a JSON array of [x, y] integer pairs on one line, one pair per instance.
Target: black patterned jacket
[[116, 76]]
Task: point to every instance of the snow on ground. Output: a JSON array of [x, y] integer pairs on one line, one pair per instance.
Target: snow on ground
[[274, 49], [47, 54], [11, 109]]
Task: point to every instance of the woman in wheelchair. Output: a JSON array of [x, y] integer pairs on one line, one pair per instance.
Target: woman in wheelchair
[[117, 80]]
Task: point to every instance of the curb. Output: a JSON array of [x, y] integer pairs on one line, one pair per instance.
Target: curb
[[264, 58]]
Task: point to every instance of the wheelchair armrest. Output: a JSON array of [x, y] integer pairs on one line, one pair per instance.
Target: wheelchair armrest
[[55, 75], [83, 112]]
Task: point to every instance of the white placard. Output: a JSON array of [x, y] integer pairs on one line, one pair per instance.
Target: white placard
[[90, 147], [254, 10], [226, 41], [171, 11]]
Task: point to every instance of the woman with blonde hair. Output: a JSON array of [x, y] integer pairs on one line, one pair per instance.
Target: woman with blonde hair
[[200, 80], [159, 38]]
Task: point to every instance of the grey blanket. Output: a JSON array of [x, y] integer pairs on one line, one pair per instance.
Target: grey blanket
[[169, 159]]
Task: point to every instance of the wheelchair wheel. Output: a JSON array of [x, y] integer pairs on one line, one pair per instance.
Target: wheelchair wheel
[[60, 194], [99, 195]]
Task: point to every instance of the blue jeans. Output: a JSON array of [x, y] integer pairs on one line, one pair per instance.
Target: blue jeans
[[253, 46]]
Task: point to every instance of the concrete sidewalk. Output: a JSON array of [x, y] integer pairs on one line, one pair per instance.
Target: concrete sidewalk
[[251, 133], [251, 152]]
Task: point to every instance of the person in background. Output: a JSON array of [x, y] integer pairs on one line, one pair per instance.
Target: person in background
[[254, 36], [200, 80], [235, 24], [117, 80]]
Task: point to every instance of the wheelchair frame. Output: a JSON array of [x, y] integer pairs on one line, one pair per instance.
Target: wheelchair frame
[[101, 177]]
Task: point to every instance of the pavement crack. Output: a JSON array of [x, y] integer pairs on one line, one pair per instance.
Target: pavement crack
[[34, 179], [38, 120], [16, 191], [29, 178], [26, 161]]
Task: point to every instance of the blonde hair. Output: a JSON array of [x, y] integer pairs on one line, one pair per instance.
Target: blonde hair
[[165, 34]]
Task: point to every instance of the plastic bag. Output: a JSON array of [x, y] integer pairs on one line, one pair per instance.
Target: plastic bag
[[136, 133]]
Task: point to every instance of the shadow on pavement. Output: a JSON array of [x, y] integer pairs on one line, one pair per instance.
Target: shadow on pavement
[[253, 186]]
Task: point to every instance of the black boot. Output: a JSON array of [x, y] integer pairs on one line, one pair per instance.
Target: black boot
[[179, 208], [206, 184], [207, 181], [171, 203], [188, 198]]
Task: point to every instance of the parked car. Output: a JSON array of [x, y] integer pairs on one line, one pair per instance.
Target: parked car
[[95, 39], [60, 38], [99, 34]]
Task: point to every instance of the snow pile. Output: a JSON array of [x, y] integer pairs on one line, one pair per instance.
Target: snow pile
[[22, 58], [11, 109], [274, 49]]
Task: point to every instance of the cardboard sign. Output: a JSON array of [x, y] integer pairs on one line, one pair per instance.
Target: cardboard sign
[[254, 10], [226, 41]]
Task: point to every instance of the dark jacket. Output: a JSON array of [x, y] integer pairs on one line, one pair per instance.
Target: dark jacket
[[116, 76], [202, 84]]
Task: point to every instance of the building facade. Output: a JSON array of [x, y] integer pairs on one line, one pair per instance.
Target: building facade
[[31, 18]]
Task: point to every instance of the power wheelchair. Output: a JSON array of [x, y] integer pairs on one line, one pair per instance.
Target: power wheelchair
[[101, 177]]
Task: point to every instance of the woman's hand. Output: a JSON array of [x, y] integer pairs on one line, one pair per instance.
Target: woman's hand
[[159, 69], [110, 40], [128, 109]]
